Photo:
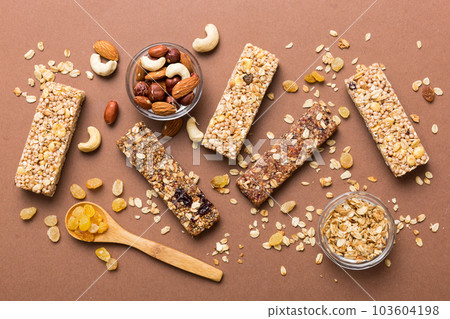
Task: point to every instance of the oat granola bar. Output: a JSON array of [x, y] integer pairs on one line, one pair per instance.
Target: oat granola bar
[[239, 104], [286, 155], [49, 139], [182, 196], [386, 119]]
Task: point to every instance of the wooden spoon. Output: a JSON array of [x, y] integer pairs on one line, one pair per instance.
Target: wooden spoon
[[116, 234]]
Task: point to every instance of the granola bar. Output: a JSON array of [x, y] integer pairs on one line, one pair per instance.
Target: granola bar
[[182, 196], [386, 119], [239, 104], [49, 139], [286, 155]]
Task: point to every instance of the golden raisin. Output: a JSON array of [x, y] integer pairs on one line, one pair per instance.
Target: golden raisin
[[346, 160], [103, 254], [276, 239], [119, 204], [89, 210], [51, 220], [318, 77], [102, 227], [27, 213], [77, 212], [111, 264], [220, 181], [94, 183], [77, 191], [344, 112], [290, 86], [309, 78], [83, 235], [97, 218], [84, 223], [72, 223]]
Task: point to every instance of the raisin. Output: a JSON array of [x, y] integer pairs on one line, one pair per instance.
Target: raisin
[[205, 207], [94, 183], [248, 78], [183, 197], [72, 223], [111, 264], [77, 212], [97, 218], [89, 210], [102, 227], [51, 220], [352, 86], [53, 234], [77, 191], [84, 223], [27, 213], [428, 93], [103, 254], [119, 204]]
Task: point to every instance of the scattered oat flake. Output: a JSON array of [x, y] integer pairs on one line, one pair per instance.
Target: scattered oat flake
[[319, 258], [290, 45], [434, 129], [270, 135], [165, 230], [29, 54], [271, 96], [233, 201], [355, 60], [438, 91], [89, 75], [288, 206], [67, 53], [254, 233], [387, 262], [17, 91], [426, 81], [416, 85], [320, 48], [434, 227], [31, 99], [367, 36], [428, 174], [289, 119], [419, 44], [333, 33], [415, 118], [373, 179], [283, 271], [40, 46], [419, 242]]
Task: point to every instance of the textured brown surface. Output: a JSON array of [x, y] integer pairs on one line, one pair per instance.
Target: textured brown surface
[[34, 268]]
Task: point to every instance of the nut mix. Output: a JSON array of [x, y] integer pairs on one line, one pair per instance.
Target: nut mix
[[357, 230], [164, 80]]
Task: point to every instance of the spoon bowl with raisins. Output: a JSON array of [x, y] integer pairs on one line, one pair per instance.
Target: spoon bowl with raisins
[[87, 221]]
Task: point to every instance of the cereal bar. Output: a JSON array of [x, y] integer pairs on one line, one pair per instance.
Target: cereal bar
[[287, 154], [239, 104], [49, 139], [182, 196], [386, 119]]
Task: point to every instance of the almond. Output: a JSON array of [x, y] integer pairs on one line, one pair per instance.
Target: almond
[[143, 102], [158, 51], [186, 61], [156, 75], [163, 108], [185, 86], [171, 128], [106, 50], [140, 72]]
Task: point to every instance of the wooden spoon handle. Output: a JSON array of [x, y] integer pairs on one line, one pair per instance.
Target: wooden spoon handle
[[176, 258]]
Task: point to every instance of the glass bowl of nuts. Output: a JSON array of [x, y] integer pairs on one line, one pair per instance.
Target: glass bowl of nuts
[[164, 81], [356, 230]]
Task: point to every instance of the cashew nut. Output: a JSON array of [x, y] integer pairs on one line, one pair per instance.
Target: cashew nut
[[152, 65], [209, 42], [194, 133], [103, 69], [177, 69], [94, 140]]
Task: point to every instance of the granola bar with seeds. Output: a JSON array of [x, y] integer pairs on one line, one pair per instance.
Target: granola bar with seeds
[[48, 141], [288, 154], [386, 120], [181, 195], [240, 102]]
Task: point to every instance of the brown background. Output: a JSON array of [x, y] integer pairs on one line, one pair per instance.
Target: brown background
[[33, 268]]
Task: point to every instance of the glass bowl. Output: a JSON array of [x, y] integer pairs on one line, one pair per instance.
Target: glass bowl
[[182, 109], [347, 262]]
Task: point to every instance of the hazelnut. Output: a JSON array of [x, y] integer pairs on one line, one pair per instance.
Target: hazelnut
[[171, 100], [170, 83], [187, 99], [140, 88], [156, 93], [173, 56]]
